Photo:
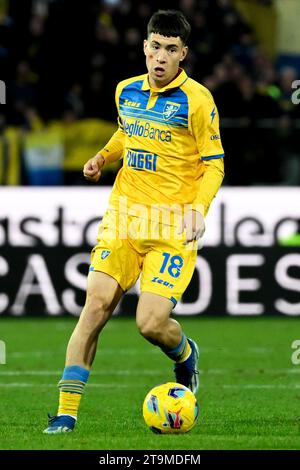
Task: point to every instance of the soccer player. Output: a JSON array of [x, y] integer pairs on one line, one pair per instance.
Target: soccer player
[[172, 154]]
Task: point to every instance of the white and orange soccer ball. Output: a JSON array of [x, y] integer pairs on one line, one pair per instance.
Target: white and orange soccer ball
[[170, 408]]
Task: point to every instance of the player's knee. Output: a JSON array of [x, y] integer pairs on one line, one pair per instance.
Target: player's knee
[[95, 315], [151, 328], [98, 303]]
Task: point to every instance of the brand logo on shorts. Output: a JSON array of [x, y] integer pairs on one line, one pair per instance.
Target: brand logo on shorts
[[104, 254], [161, 281]]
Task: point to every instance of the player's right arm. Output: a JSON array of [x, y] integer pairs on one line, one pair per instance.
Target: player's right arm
[[92, 168], [112, 152]]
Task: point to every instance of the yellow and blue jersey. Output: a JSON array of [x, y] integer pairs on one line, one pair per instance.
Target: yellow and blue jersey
[[170, 142]]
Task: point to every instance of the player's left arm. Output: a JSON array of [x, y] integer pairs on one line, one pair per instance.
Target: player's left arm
[[205, 127]]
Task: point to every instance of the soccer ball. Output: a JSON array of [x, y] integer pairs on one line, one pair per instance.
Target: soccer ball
[[170, 408]]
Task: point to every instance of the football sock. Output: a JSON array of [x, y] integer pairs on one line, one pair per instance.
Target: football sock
[[71, 388], [181, 353]]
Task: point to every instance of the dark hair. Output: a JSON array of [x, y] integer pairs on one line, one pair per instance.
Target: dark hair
[[169, 23]]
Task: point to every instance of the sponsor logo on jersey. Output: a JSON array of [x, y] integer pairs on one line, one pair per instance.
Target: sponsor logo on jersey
[[215, 137], [141, 160], [170, 109], [145, 130], [104, 254], [161, 281]]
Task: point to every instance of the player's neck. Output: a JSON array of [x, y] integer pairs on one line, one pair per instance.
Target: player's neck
[[155, 85]]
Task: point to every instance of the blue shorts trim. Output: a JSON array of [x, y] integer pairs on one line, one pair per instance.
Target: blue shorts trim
[[221, 155]]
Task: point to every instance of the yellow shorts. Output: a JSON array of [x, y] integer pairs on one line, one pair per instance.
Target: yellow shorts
[[129, 246]]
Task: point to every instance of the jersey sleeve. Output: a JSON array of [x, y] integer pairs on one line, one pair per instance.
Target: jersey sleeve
[[209, 185], [205, 127], [114, 148]]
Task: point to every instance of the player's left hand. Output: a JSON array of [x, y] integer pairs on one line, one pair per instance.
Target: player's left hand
[[193, 222]]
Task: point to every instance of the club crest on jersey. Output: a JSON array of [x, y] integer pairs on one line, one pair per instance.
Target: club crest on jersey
[[170, 109], [104, 254]]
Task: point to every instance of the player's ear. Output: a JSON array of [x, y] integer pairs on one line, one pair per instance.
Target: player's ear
[[184, 52], [145, 44]]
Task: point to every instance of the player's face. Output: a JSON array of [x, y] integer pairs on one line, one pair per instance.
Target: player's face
[[163, 55]]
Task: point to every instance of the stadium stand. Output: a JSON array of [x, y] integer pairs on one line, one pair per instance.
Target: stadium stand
[[61, 61]]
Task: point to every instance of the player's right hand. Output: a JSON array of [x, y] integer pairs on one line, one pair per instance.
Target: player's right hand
[[92, 168]]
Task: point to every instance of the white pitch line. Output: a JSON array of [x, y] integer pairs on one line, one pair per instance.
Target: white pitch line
[[263, 386], [135, 351], [104, 372], [32, 385], [249, 437], [140, 372], [114, 385], [116, 351]]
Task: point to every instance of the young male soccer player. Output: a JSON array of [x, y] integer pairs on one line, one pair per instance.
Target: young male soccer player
[[173, 166]]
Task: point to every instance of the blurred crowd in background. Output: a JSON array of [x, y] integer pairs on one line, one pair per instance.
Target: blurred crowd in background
[[62, 59]]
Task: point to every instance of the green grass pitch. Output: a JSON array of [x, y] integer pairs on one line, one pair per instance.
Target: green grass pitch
[[249, 396]]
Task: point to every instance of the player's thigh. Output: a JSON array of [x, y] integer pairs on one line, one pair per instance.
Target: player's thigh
[[102, 297], [103, 290], [152, 311], [115, 255]]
